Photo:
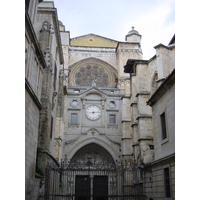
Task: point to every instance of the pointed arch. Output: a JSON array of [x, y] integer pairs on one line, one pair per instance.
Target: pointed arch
[[88, 70], [93, 140]]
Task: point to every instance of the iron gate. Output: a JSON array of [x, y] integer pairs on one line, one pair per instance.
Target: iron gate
[[86, 180]]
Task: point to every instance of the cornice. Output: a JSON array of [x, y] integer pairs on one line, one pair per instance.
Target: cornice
[[134, 124], [133, 103], [125, 120], [143, 116], [145, 138], [163, 46], [135, 144], [131, 64], [142, 93]]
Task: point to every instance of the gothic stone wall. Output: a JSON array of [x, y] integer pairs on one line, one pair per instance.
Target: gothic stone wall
[[31, 136]]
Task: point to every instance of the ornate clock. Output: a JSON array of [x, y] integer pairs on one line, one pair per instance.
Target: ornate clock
[[93, 112]]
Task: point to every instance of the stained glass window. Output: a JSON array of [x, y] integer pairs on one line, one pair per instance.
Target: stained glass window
[[85, 75]]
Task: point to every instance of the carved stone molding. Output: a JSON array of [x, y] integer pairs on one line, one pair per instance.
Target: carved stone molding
[[73, 125], [112, 126]]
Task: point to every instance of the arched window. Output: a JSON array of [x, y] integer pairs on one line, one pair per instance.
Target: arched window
[[92, 72]]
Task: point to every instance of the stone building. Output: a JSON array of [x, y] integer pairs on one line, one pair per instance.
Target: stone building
[[94, 98], [44, 93], [34, 69], [153, 120], [96, 83]]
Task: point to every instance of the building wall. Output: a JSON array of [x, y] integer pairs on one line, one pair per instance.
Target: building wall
[[31, 130], [116, 139], [41, 96], [165, 104], [153, 186], [34, 69], [162, 101]]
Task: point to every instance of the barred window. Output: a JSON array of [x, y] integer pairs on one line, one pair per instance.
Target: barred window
[[112, 119], [74, 118], [163, 126]]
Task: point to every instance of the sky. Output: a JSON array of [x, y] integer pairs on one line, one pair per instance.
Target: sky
[[153, 19]]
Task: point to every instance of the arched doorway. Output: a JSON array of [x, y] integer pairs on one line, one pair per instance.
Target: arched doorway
[[94, 153], [92, 174], [96, 168]]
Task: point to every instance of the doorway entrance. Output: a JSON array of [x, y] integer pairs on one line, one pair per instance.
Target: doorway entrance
[[82, 189], [100, 188], [87, 187]]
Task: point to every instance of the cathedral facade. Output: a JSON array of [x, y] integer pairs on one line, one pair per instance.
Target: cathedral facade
[[96, 98]]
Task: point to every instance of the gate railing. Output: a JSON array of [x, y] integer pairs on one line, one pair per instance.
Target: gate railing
[[60, 182]]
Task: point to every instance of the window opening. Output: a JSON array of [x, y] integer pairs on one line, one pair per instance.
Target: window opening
[[163, 126], [167, 182], [112, 119], [74, 118]]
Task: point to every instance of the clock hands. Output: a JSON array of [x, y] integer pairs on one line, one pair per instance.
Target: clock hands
[[94, 112]]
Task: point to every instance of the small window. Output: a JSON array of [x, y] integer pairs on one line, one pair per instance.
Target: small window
[[74, 103], [55, 77], [74, 118], [163, 126], [76, 91], [51, 131], [112, 104], [112, 119], [167, 182]]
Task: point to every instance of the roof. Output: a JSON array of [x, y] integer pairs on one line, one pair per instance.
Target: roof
[[172, 41], [131, 63], [92, 40]]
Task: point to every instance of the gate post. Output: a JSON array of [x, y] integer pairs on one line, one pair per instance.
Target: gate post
[[91, 186]]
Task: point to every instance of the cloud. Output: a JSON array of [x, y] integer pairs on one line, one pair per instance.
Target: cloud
[[154, 19]]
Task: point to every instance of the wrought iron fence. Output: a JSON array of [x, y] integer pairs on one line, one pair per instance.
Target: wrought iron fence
[[92, 180]]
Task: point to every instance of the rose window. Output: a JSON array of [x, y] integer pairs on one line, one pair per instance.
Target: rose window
[[86, 75]]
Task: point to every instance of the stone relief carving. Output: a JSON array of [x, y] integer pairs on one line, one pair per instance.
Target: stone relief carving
[[54, 99], [47, 27], [48, 58]]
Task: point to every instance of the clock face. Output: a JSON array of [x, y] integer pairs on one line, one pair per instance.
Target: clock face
[[93, 112]]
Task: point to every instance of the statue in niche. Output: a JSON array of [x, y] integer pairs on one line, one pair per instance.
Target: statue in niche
[[54, 100], [48, 58], [94, 81], [51, 29], [45, 26]]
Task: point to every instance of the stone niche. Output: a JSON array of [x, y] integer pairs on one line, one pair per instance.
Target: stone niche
[[93, 153]]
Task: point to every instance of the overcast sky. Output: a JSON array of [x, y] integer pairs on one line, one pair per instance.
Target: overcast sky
[[153, 19]]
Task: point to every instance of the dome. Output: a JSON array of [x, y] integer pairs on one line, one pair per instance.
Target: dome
[[131, 32], [60, 23]]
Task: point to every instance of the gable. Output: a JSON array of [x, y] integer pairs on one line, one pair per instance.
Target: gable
[[92, 40], [93, 93]]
